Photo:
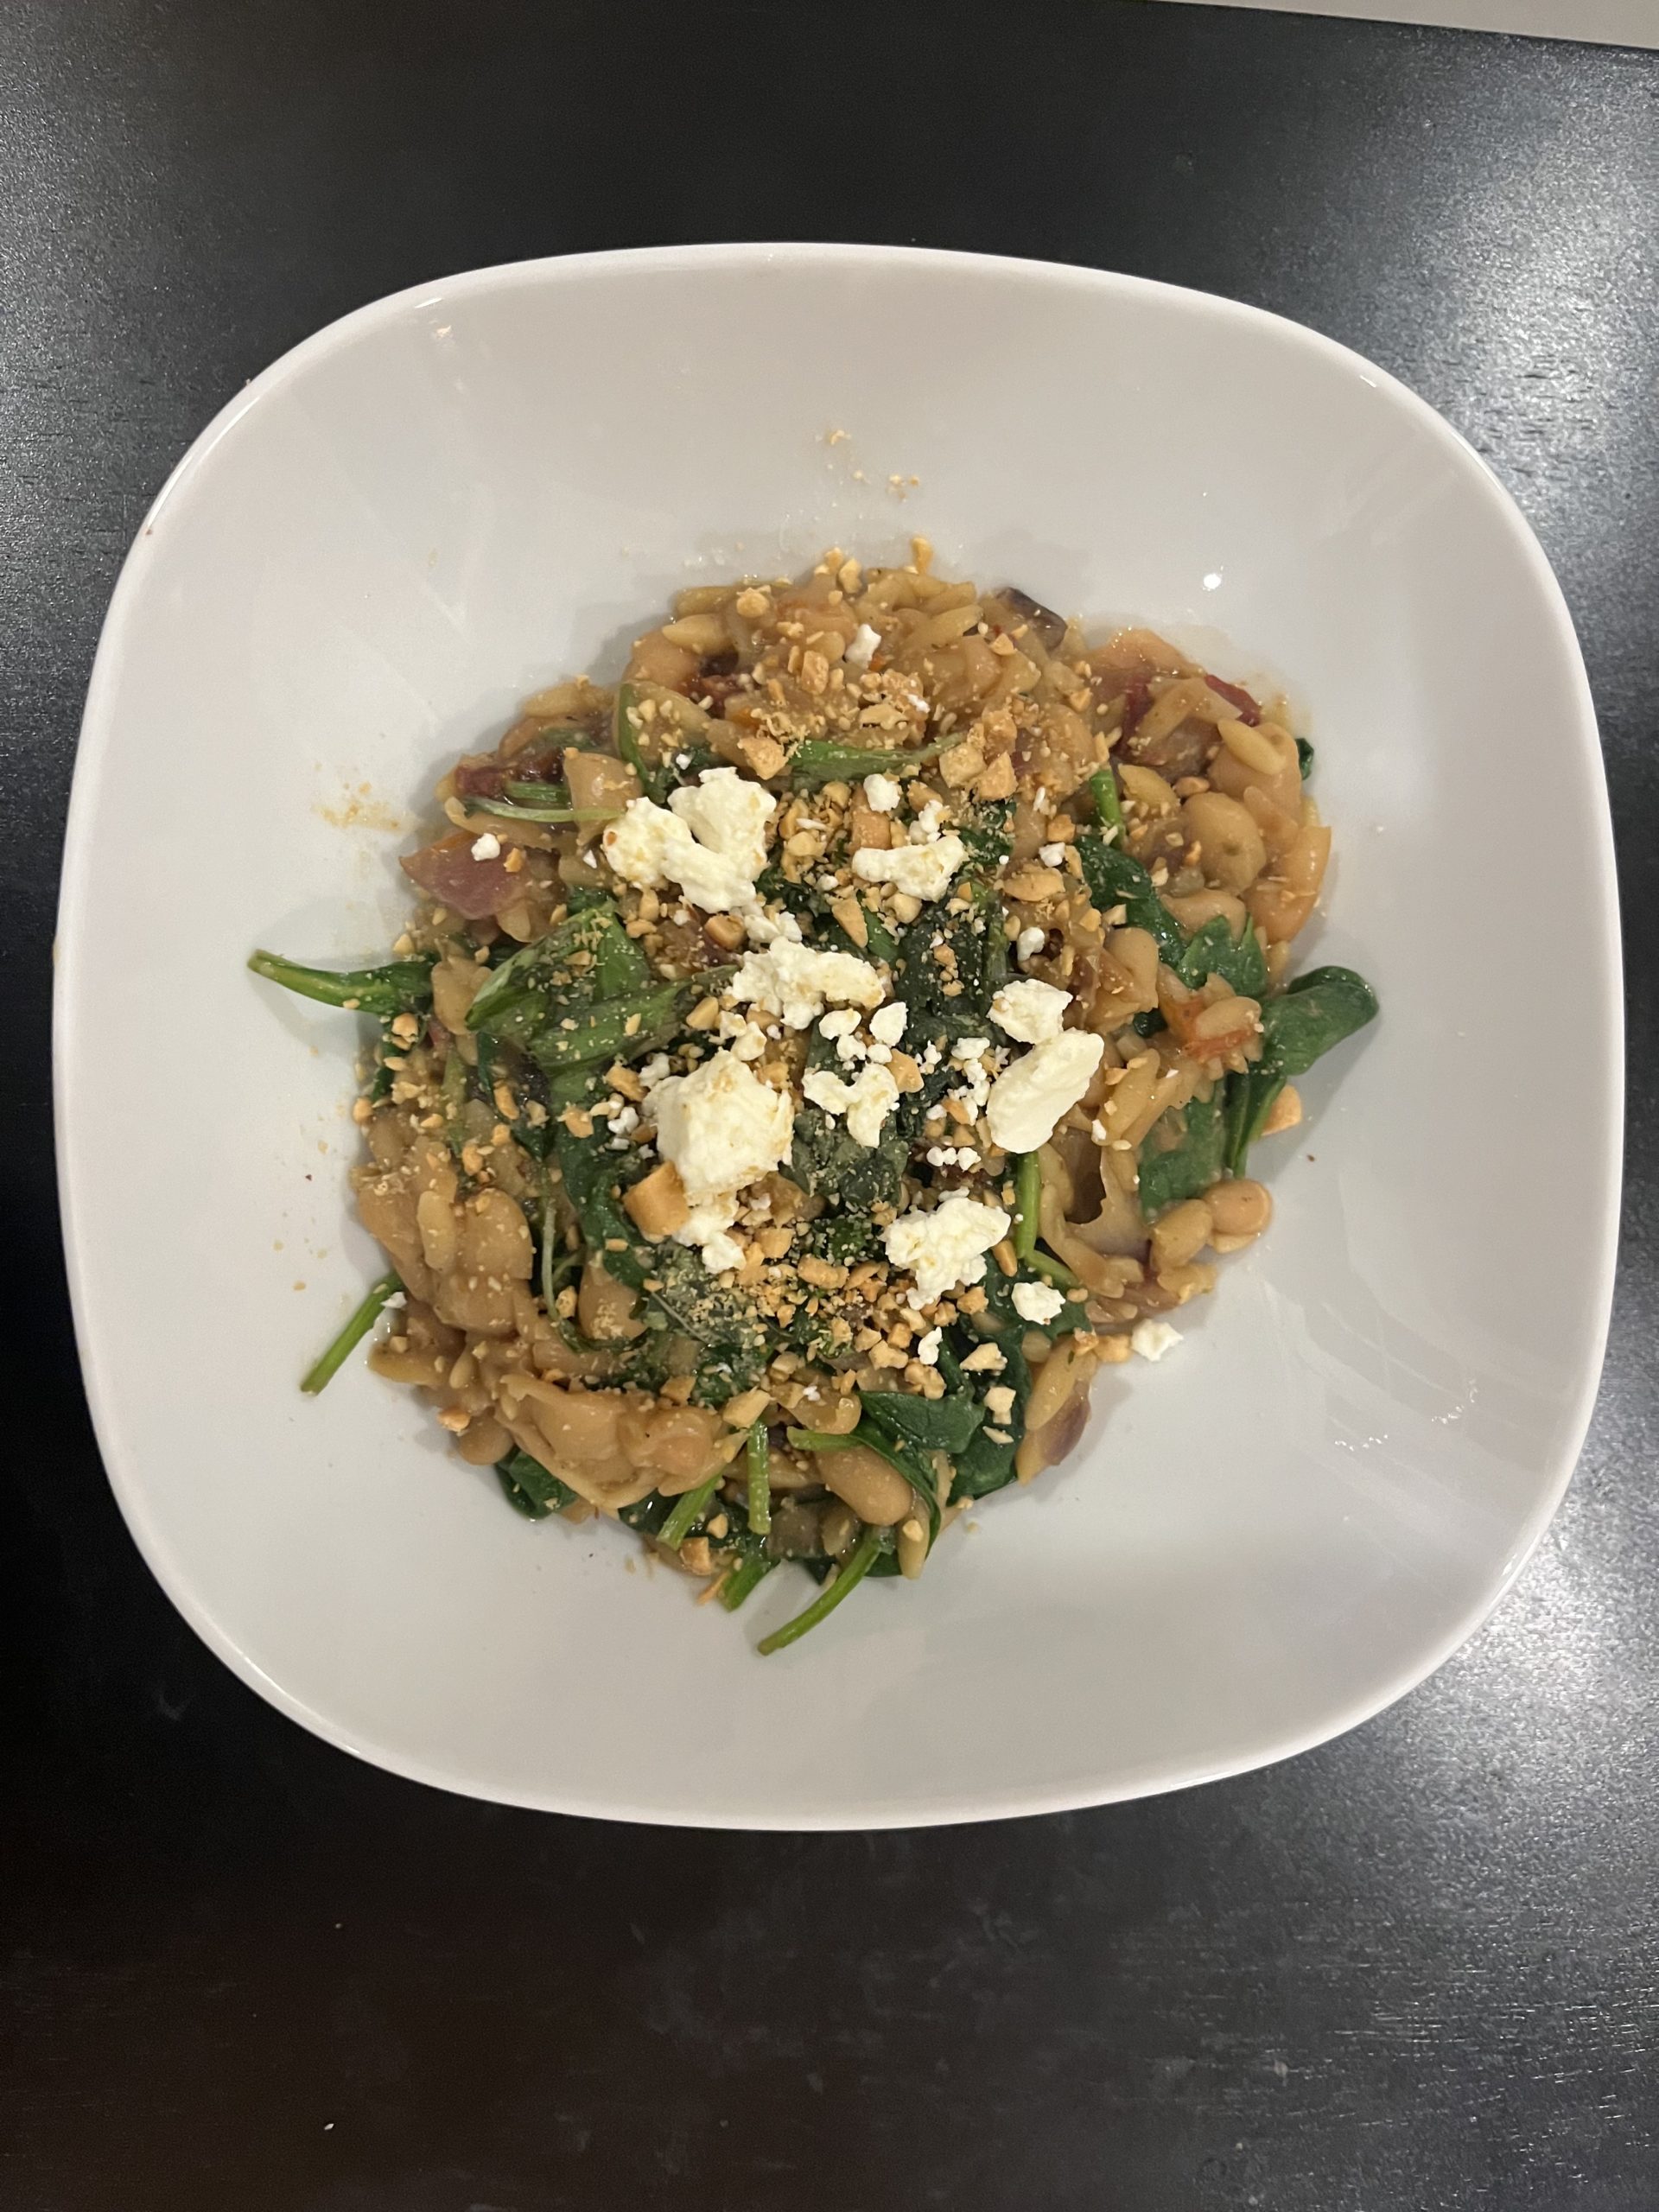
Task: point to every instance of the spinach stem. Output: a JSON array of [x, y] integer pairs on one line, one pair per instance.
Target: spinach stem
[[357, 1327], [743, 1579], [1108, 808], [627, 745], [758, 1455], [510, 811], [1056, 1270], [862, 1557], [689, 1508], [1027, 1201]]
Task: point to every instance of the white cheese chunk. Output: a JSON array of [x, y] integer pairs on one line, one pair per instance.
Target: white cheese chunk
[[796, 983], [721, 1126], [866, 642], [1028, 942], [867, 1101], [1036, 1302], [710, 839], [486, 847], [1030, 1012], [729, 815], [924, 869], [704, 1229], [1028, 1098], [1152, 1340], [887, 1022], [881, 793], [947, 1246]]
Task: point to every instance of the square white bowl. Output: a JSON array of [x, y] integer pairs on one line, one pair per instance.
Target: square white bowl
[[459, 494]]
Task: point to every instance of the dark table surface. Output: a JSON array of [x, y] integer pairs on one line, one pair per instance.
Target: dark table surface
[[1417, 1968]]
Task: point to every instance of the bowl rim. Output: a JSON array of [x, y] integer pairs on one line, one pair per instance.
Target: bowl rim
[[96, 736]]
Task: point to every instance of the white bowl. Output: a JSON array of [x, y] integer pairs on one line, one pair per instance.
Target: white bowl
[[461, 493]]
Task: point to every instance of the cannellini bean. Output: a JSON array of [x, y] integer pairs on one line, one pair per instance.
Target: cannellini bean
[[1192, 909], [1181, 1234], [1239, 1208], [484, 1443], [1233, 854], [878, 1493]]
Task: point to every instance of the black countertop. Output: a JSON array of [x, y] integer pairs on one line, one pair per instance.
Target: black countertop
[[1417, 1968]]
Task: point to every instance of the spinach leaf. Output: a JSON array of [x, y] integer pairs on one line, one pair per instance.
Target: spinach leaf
[[981, 950], [1187, 1167], [1117, 879], [930, 1424], [1305, 757], [986, 1465], [1211, 951], [529, 1487], [401, 987], [812, 909], [987, 830], [615, 1029], [830, 1164], [734, 1343], [589, 956], [1316, 1011]]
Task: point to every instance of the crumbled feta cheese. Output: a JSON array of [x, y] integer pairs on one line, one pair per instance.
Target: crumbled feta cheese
[[1037, 1302], [765, 929], [840, 1023], [867, 1101], [705, 1230], [850, 1050], [1028, 942], [927, 1350], [729, 815], [887, 1022], [947, 1246], [721, 1126], [865, 641], [625, 1120], [790, 980], [1052, 855], [1030, 1012], [1028, 1098], [923, 868], [650, 846], [486, 847], [1152, 1340], [925, 829], [881, 793]]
